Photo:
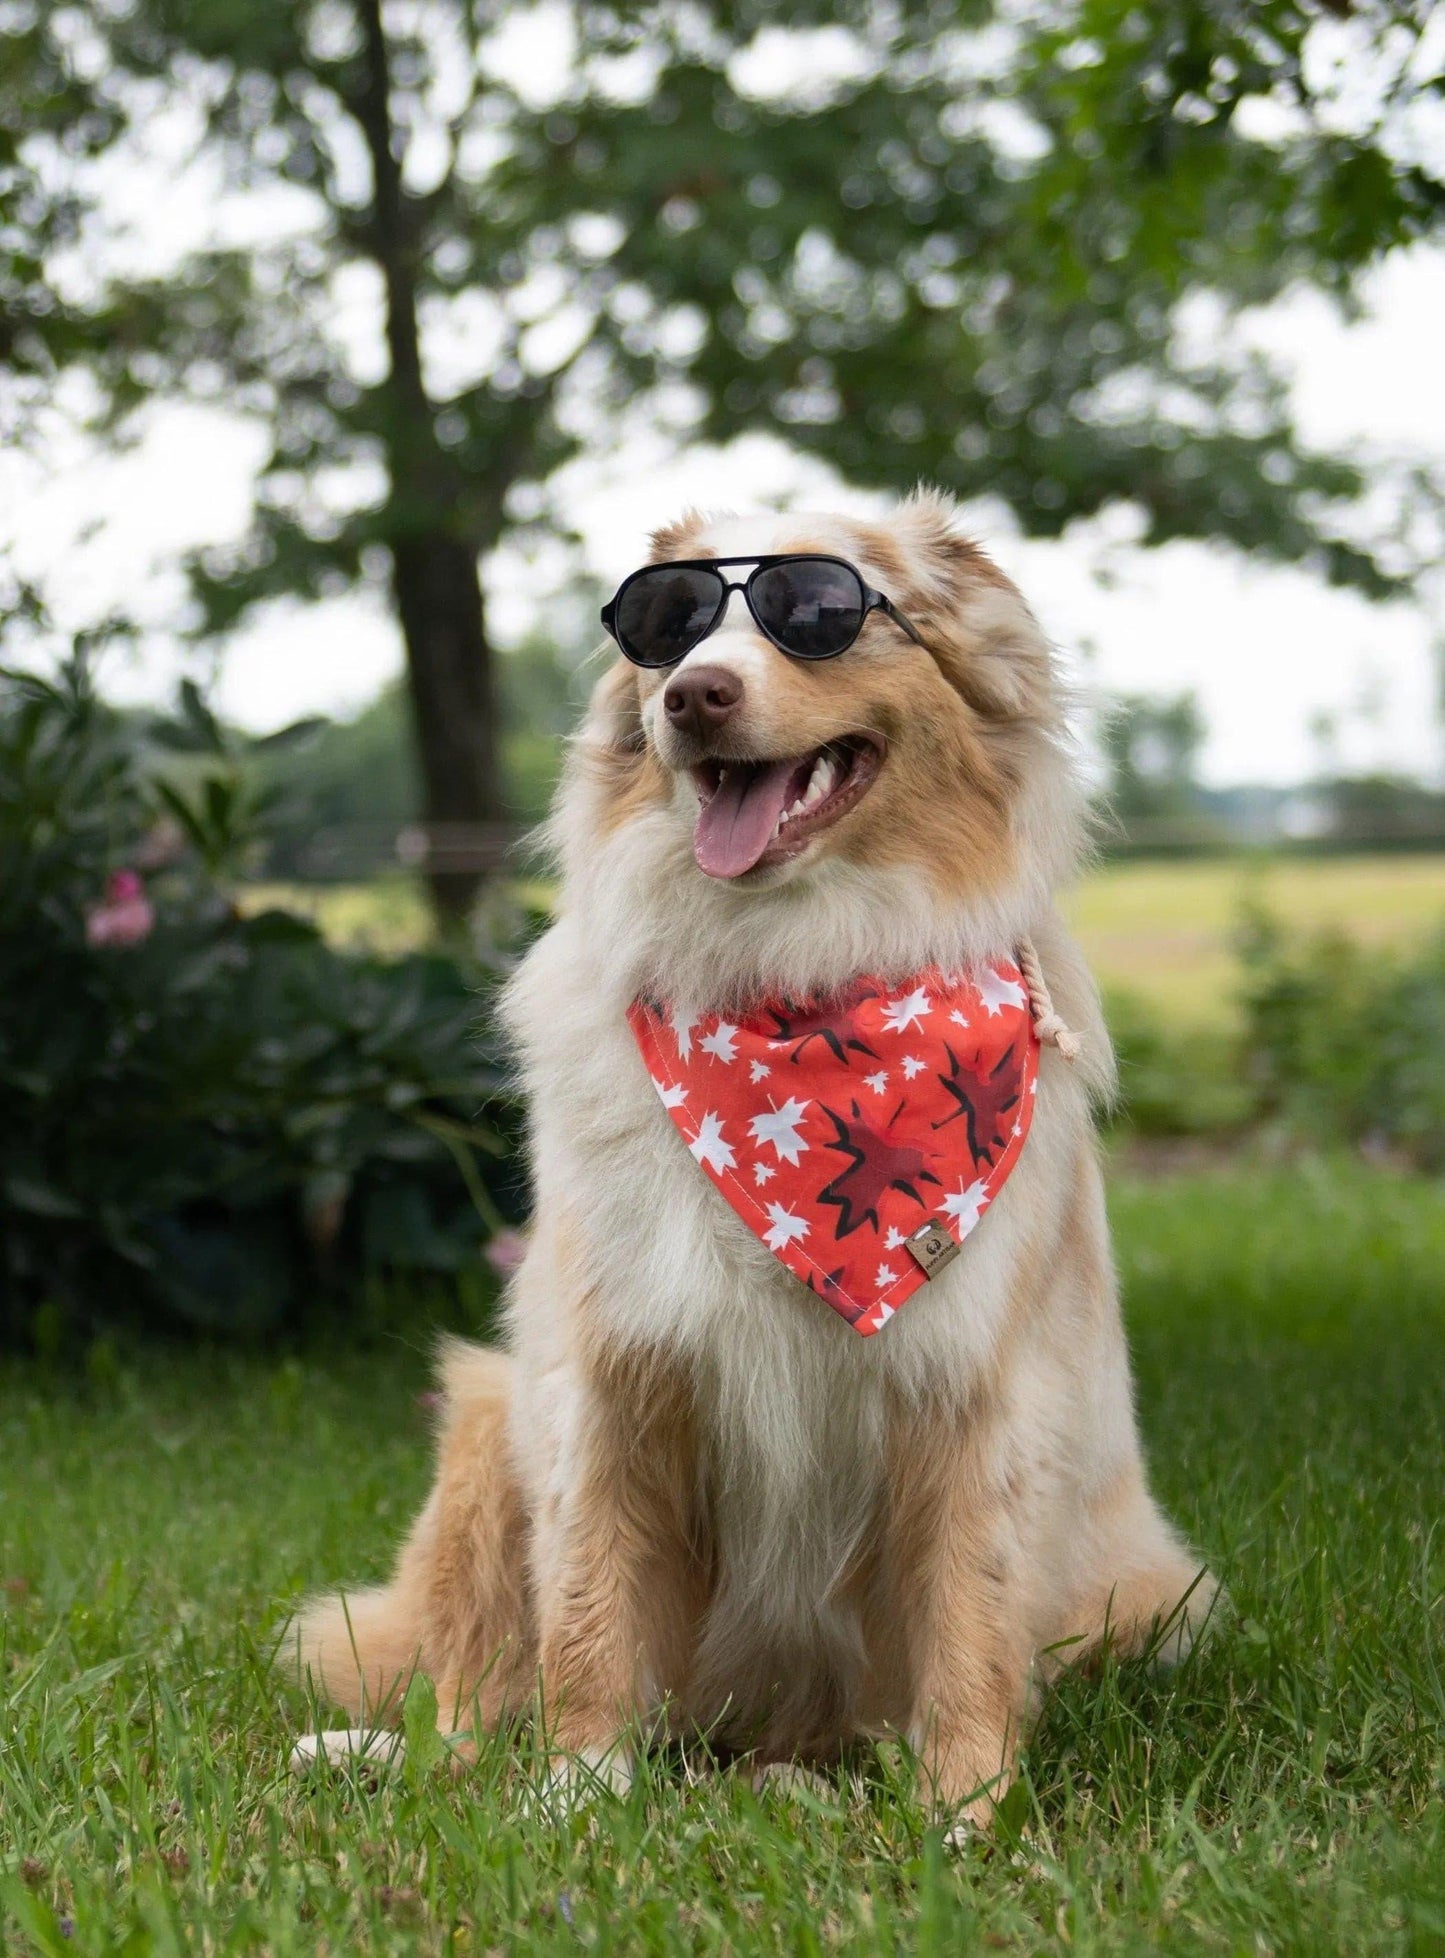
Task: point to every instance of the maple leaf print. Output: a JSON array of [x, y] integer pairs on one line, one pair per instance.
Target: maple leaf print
[[831, 1022], [875, 1164], [829, 1286], [958, 1019], [780, 1127], [710, 1146], [877, 1082], [894, 1239], [763, 1173], [721, 1043], [985, 1100], [886, 1277], [670, 1097], [784, 1228], [901, 1014], [912, 1065], [682, 1026], [966, 1206], [758, 1070], [996, 992]]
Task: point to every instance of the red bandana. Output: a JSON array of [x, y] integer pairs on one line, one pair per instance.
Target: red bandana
[[861, 1138]]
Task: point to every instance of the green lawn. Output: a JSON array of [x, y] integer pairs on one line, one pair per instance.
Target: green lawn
[[1283, 1794]]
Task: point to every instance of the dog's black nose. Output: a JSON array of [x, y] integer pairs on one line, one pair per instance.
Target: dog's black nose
[[701, 699]]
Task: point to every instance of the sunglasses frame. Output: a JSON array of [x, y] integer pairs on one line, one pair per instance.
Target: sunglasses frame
[[873, 601]]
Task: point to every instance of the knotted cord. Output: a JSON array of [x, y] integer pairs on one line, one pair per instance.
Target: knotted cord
[[1048, 1025]]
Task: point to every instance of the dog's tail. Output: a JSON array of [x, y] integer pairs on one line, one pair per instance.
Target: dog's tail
[[456, 1606]]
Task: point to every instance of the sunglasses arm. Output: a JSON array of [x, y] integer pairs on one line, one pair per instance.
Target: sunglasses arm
[[886, 605]]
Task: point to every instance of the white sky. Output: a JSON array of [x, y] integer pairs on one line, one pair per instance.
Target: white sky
[[1267, 651]]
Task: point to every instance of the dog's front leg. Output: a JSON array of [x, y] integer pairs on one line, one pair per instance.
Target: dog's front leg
[[617, 1570], [955, 1589]]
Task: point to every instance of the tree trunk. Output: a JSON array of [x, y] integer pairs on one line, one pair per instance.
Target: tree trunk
[[433, 552], [449, 673]]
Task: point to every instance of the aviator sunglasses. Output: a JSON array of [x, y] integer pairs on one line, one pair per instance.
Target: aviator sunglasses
[[810, 607]]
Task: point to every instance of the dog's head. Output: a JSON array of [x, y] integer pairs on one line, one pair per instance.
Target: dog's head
[[939, 753]]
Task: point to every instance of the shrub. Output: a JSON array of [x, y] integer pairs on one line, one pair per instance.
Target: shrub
[[1173, 1081], [211, 1121], [1346, 1042]]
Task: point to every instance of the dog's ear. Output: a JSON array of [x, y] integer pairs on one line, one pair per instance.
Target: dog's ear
[[614, 714], [972, 617], [680, 538]]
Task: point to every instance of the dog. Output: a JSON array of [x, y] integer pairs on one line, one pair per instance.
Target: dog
[[684, 1495]]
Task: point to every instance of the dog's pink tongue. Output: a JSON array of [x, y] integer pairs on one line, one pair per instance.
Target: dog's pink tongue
[[735, 825]]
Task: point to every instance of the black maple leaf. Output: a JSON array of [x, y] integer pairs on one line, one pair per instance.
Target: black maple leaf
[[984, 1100], [875, 1164], [827, 1021]]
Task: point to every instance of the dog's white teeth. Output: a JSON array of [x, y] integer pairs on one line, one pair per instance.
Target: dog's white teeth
[[820, 782]]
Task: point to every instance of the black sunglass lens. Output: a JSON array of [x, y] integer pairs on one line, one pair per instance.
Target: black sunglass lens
[[662, 613], [812, 608]]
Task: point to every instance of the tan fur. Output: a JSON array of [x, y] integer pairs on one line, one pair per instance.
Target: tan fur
[[457, 1605], [692, 1493]]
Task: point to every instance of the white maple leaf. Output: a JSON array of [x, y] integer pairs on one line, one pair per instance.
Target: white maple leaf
[[763, 1172], [785, 1228], [722, 1042], [882, 1316], [996, 992], [710, 1146], [966, 1206], [912, 1065], [759, 1070], [895, 1239], [682, 1026], [886, 1276], [780, 1127], [877, 1082], [901, 1014], [670, 1097], [958, 1019]]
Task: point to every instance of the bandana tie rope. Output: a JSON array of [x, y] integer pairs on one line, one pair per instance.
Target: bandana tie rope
[[860, 1137]]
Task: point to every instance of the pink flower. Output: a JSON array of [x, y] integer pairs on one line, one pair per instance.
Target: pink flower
[[505, 1252], [125, 916]]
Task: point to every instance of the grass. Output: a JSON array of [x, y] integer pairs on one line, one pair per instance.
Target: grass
[[1282, 1794], [1163, 931]]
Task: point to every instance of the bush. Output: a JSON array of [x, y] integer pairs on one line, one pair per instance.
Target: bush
[[1346, 1042], [207, 1120], [1173, 1081]]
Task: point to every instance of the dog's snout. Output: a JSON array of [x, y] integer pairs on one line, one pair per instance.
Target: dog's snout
[[700, 700]]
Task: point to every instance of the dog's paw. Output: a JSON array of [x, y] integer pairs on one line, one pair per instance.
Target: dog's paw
[[378, 1747], [575, 1781], [792, 1778]]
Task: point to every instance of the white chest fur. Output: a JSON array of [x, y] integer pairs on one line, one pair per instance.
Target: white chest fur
[[791, 1400]]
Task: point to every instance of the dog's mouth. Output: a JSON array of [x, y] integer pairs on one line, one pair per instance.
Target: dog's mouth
[[758, 813]]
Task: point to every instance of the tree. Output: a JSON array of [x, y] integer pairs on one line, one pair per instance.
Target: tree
[[1152, 751], [942, 240]]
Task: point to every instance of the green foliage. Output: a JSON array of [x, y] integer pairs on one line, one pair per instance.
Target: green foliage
[[1152, 793], [1340, 1042], [1280, 1792], [1345, 1041], [339, 798], [1174, 1080], [205, 1120], [962, 258]]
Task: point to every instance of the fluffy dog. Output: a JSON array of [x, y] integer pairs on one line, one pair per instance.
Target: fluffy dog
[[685, 1491]]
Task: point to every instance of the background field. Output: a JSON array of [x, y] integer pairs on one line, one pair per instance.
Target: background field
[[1283, 1794], [1163, 930]]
